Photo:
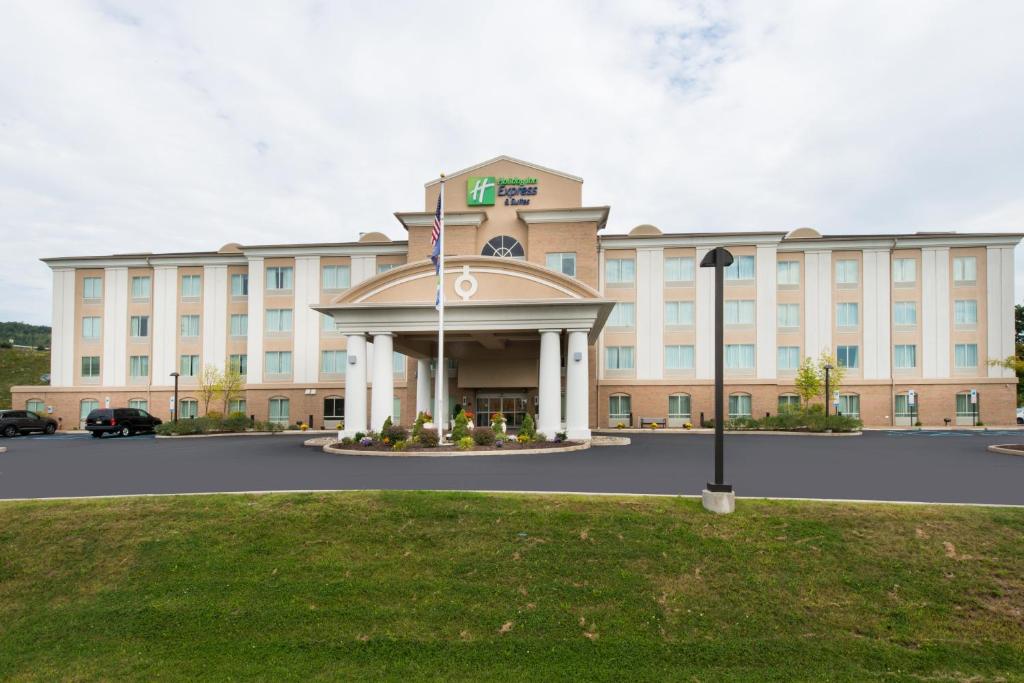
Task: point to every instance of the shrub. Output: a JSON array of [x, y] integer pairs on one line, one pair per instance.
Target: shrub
[[373, 436], [522, 438], [272, 427], [358, 436], [6, 345], [499, 443], [687, 425], [539, 436], [497, 422], [428, 438], [400, 445], [386, 426], [417, 426], [293, 427], [621, 425], [561, 436], [395, 432], [365, 441], [483, 436], [236, 422], [528, 428], [215, 415], [465, 443], [742, 423], [347, 441], [461, 429]]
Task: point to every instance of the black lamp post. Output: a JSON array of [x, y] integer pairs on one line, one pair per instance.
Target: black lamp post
[[718, 258], [828, 392], [175, 376]]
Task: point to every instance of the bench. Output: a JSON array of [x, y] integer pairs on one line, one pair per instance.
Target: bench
[[648, 421]]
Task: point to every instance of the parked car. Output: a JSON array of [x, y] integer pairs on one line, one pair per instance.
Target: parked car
[[121, 421], [1020, 416], [14, 422]]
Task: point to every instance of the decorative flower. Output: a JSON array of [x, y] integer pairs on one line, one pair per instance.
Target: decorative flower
[[366, 441]]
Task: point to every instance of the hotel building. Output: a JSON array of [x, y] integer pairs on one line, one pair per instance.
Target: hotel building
[[546, 315]]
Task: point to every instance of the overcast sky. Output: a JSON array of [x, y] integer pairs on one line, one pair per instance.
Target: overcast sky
[[133, 126]]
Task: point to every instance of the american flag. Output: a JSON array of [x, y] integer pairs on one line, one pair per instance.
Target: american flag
[[435, 235]]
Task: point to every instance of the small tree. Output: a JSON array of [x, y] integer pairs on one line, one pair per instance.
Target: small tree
[[231, 387], [211, 383], [835, 375], [1014, 364], [808, 381], [461, 428], [528, 427]]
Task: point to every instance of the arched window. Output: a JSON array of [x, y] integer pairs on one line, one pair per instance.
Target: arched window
[[86, 406], [334, 408], [188, 408], [849, 405], [139, 404], [788, 402], [739, 406], [36, 406], [279, 408], [679, 410], [619, 409], [503, 246]]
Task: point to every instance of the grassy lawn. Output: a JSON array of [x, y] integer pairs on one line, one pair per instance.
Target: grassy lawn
[[463, 586], [20, 366]]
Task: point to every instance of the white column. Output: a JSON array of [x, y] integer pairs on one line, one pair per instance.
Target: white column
[[306, 351], [363, 267], [817, 302], [165, 325], [704, 317], [115, 327], [254, 341], [422, 386], [877, 284], [1000, 297], [650, 312], [215, 315], [383, 391], [935, 307], [549, 383], [62, 340], [767, 316], [577, 385], [355, 385]]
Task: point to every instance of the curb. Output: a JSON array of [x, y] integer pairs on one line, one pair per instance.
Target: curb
[[290, 432], [728, 432], [453, 454], [3, 449], [1007, 451]]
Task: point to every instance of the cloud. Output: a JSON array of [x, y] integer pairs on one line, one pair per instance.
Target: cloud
[[183, 126]]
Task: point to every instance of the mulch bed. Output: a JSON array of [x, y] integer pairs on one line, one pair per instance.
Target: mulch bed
[[1013, 446], [509, 446]]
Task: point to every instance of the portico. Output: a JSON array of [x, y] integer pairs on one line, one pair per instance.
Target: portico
[[509, 325]]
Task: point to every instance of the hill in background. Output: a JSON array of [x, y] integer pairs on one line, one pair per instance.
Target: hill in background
[[20, 367], [23, 334]]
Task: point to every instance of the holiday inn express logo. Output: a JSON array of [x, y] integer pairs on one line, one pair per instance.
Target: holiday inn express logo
[[480, 191]]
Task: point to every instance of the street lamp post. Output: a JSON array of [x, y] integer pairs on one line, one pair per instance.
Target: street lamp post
[[175, 376], [828, 391], [719, 496]]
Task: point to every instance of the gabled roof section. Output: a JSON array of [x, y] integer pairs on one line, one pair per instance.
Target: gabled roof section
[[513, 160]]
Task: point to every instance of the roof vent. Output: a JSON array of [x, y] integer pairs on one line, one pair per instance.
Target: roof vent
[[230, 248], [644, 230], [373, 237], [803, 234]]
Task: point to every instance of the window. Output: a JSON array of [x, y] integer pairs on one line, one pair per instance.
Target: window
[[189, 408], [36, 406], [91, 327], [679, 406], [905, 356], [620, 270], [788, 273], [191, 287], [622, 315], [965, 312], [90, 366], [334, 408], [327, 323], [903, 407], [788, 402], [619, 407], [904, 271], [279, 408], [279, 362], [385, 267], [679, 357], [679, 313], [789, 357], [87, 406], [619, 357], [964, 407], [846, 272], [92, 288], [846, 356], [742, 268], [905, 313], [190, 326], [396, 410], [237, 405], [398, 363], [739, 356], [739, 312], [503, 246], [739, 406], [789, 315], [239, 362], [336, 277], [564, 262], [138, 366], [139, 326], [139, 404], [239, 284], [965, 270], [846, 315], [140, 287], [679, 269], [279, 278], [239, 324], [279, 320], [849, 405], [965, 355], [189, 365]]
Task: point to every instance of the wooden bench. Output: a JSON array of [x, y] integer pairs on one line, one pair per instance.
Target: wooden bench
[[648, 421]]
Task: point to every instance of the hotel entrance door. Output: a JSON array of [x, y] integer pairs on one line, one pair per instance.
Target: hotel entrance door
[[510, 404]]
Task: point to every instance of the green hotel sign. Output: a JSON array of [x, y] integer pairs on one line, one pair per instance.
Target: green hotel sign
[[484, 190]]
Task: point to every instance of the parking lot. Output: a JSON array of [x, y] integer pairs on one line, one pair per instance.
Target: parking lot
[[895, 466]]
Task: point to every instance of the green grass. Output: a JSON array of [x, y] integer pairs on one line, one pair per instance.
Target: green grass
[[18, 367], [463, 586]]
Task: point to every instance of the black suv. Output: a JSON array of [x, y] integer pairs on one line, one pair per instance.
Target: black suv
[[123, 421], [14, 422]]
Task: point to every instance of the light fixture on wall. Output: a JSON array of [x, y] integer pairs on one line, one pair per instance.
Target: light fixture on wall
[[351, 360], [577, 356]]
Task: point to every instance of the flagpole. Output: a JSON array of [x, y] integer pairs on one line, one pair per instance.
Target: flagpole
[[440, 404]]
